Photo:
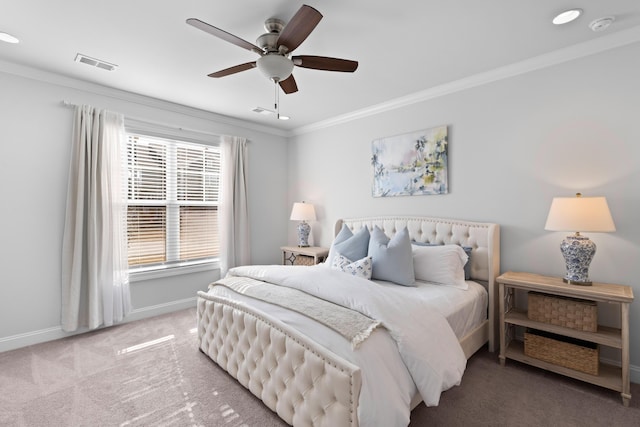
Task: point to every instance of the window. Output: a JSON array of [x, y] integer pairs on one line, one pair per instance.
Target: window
[[172, 209]]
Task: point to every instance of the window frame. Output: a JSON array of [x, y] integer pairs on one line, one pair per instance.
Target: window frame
[[178, 136]]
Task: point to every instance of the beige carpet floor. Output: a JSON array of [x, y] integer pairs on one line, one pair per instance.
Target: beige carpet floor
[[150, 373]]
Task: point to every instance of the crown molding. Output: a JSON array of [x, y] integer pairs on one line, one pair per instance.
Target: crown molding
[[121, 95], [580, 50]]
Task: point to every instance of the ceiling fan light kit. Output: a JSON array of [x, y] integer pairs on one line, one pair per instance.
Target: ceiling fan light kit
[[275, 67]]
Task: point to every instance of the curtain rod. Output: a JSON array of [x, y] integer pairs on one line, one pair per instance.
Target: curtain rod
[[66, 103]]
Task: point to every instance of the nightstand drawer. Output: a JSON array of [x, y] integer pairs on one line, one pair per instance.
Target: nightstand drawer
[[311, 255]]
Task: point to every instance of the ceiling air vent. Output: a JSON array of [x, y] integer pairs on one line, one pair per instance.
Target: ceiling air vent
[[95, 62], [261, 110], [266, 111]]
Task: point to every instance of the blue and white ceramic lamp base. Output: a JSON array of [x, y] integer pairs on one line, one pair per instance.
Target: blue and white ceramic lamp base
[[578, 251], [303, 234]]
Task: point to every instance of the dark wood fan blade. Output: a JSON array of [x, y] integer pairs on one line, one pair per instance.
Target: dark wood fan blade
[[233, 70], [299, 28], [289, 85], [325, 63], [223, 35]]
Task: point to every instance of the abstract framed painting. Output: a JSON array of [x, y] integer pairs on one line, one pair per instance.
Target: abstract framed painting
[[411, 164]]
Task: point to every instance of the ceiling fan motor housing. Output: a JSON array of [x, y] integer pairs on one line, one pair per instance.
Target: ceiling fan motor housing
[[268, 42]]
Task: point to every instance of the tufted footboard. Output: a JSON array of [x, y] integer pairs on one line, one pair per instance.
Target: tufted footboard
[[304, 383]]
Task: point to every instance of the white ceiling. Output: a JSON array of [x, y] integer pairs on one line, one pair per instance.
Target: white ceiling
[[403, 47]]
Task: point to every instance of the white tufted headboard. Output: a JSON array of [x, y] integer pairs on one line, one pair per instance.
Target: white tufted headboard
[[483, 238]]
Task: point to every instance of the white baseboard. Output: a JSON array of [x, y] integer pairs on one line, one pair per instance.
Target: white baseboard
[[13, 342], [156, 310]]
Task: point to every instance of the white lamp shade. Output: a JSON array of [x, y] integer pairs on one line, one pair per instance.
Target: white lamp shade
[[303, 212], [580, 214]]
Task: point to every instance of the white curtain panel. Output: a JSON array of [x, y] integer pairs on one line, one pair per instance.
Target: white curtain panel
[[234, 211], [95, 278]]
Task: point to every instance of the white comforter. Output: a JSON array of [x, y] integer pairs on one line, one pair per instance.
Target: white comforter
[[423, 350]]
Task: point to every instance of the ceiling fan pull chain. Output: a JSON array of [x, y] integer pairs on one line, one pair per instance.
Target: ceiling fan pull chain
[[277, 98]]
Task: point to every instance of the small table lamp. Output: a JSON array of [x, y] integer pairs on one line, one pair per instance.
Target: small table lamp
[[303, 212], [584, 214]]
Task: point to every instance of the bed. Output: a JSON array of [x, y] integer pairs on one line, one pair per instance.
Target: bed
[[310, 373]]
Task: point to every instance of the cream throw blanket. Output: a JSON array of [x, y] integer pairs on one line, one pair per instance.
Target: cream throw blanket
[[352, 325]]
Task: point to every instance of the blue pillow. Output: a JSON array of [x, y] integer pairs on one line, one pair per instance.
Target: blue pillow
[[392, 258], [467, 266], [349, 245]]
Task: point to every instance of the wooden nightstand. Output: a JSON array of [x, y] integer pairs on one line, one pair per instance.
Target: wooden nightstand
[[311, 255], [612, 377]]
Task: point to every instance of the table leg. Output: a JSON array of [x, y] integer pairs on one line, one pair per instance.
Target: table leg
[[502, 325], [626, 379]]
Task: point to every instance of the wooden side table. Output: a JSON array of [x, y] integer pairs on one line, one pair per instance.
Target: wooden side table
[[310, 255], [611, 377]]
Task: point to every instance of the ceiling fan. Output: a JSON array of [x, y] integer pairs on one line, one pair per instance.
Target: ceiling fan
[[275, 47]]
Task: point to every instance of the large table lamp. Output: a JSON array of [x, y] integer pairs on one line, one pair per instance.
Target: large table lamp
[[303, 212], [579, 214]]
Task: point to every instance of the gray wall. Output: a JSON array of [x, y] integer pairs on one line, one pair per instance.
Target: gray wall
[[514, 144], [34, 157]]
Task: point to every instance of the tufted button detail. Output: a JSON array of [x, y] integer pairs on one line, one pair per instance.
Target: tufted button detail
[[294, 377]]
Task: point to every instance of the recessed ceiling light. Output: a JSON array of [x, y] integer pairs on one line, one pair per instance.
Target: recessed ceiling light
[[6, 37], [567, 16]]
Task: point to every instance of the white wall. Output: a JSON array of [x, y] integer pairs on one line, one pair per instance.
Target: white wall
[[35, 134], [513, 145]]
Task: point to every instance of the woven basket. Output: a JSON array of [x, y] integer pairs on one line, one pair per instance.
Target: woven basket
[[303, 260], [573, 354], [573, 313]]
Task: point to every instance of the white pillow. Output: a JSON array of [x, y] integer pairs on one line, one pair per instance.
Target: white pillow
[[441, 264], [361, 268]]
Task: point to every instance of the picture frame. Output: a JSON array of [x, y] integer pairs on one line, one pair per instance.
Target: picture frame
[[411, 164]]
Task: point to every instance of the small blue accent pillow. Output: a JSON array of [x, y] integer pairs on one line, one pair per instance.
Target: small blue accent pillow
[[349, 245], [392, 258]]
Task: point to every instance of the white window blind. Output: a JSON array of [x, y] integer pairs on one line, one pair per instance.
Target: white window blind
[[173, 194]]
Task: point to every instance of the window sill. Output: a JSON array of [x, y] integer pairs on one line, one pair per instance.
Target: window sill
[[174, 270]]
